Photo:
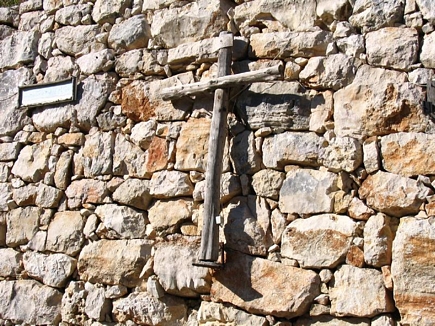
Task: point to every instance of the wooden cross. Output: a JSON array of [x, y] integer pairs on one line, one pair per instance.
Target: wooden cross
[[209, 252]]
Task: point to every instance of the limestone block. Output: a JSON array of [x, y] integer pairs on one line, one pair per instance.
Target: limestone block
[[59, 68], [96, 62], [23, 196], [42, 302], [359, 292], [5, 196], [73, 302], [328, 11], [127, 222], [132, 33], [192, 145], [384, 48], [11, 119], [96, 305], [307, 191], [333, 72], [230, 187], [11, 263], [72, 15], [286, 15], [47, 196], [267, 183], [393, 194], [9, 151], [164, 214], [51, 5], [80, 39], [212, 312], [86, 191], [65, 233], [244, 156], [353, 45], [97, 154], [45, 45], [186, 280], [22, 224], [372, 105], [321, 111], [280, 105], [142, 133], [408, 154], [114, 261], [371, 157], [252, 283], [7, 15], [133, 192], [107, 11], [378, 240], [53, 270], [369, 15], [342, 153], [144, 309], [358, 210], [129, 63], [427, 10], [62, 175], [290, 44], [320, 241], [291, 148], [32, 162], [200, 20], [129, 159], [247, 221], [167, 184], [19, 48], [412, 264]]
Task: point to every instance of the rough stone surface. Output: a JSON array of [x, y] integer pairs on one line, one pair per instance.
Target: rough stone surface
[[186, 280], [320, 241], [114, 261], [378, 240], [307, 191], [359, 292], [342, 153], [129, 159], [32, 162], [107, 11], [144, 309], [384, 48], [167, 184], [124, 221], [20, 47], [211, 312], [244, 156], [333, 321], [427, 51], [84, 191], [22, 224], [81, 39], [253, 284], [96, 62], [412, 256], [267, 183], [130, 34], [291, 148], [279, 105], [97, 306], [393, 194], [42, 302], [133, 192], [11, 262], [64, 233], [164, 214]]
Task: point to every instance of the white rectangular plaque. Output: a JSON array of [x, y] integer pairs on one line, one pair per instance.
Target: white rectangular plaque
[[49, 93]]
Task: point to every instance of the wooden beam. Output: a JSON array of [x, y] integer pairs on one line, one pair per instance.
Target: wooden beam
[[262, 75], [218, 133]]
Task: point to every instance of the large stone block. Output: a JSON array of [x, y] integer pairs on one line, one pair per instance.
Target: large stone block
[[133, 192], [11, 263], [107, 11], [19, 48], [22, 224], [78, 39], [378, 240], [412, 271], [393, 194], [168, 214], [307, 191], [114, 261], [86, 191], [132, 33], [320, 241], [65, 234], [342, 153], [167, 184], [263, 287], [244, 155]]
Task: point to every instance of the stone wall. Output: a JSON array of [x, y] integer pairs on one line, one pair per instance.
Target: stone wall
[[328, 183]]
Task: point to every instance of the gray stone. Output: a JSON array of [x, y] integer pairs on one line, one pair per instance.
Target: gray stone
[[62, 175], [133, 192], [51, 5], [114, 261], [18, 48], [328, 11], [378, 240], [393, 194], [342, 153], [11, 263], [9, 151], [97, 154], [245, 158], [5, 196], [307, 191], [371, 158], [53, 270], [353, 45], [143, 132], [130, 34], [279, 105], [167, 184], [47, 196], [96, 62], [359, 292], [230, 187], [32, 162], [127, 222], [291, 148], [65, 233], [128, 63], [72, 15], [320, 241], [129, 159], [96, 305], [212, 312], [78, 39], [186, 280], [107, 11], [384, 49], [73, 302], [144, 309], [427, 10], [42, 302], [12, 119], [22, 225], [333, 321]]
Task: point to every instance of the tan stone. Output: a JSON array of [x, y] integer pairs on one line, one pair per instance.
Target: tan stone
[[78, 39], [264, 287], [167, 184], [393, 194], [342, 153], [267, 183], [129, 159], [164, 214], [378, 240], [11, 262], [85, 191], [412, 264], [358, 210], [32, 162], [427, 51], [133, 192], [320, 241], [114, 261], [65, 234], [212, 312], [22, 224], [332, 321], [355, 257]]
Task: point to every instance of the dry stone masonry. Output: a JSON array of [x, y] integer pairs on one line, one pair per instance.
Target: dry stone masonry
[[327, 190]]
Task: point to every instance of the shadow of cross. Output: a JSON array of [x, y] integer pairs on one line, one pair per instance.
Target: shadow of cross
[[209, 252]]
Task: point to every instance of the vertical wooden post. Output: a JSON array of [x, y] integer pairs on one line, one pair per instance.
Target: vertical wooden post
[[210, 230]]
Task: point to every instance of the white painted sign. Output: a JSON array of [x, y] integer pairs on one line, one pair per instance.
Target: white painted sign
[[49, 93]]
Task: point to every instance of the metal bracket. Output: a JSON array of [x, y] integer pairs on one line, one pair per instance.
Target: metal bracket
[[213, 264]]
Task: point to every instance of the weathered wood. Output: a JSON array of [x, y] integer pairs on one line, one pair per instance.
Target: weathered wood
[[210, 231], [262, 75]]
